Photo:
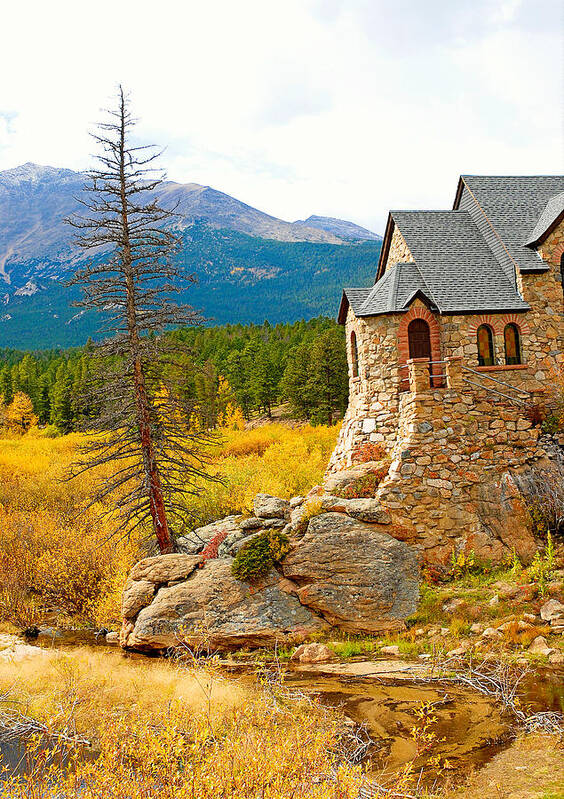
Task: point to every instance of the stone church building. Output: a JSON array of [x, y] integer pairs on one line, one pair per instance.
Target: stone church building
[[449, 350]]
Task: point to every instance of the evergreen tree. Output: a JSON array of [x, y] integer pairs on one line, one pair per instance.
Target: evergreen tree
[[329, 376], [295, 385], [61, 401], [6, 385], [42, 405], [27, 376]]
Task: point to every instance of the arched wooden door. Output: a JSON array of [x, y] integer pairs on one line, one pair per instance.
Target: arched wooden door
[[419, 337]]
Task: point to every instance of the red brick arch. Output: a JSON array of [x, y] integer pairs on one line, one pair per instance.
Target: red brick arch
[[435, 335], [498, 323], [557, 254]]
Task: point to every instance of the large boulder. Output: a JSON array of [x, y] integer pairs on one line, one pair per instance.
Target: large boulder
[[198, 539], [342, 572], [505, 517], [269, 507], [213, 606], [165, 568], [137, 595], [353, 574]]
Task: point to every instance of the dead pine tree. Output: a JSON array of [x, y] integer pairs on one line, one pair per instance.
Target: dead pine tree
[[144, 438]]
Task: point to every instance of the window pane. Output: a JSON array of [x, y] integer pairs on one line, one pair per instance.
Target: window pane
[[354, 354], [512, 347], [485, 346]]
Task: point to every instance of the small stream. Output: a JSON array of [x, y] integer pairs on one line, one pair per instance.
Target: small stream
[[470, 728], [384, 697]]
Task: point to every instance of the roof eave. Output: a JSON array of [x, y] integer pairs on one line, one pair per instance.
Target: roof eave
[[343, 309], [532, 244], [458, 195], [455, 311], [385, 246]]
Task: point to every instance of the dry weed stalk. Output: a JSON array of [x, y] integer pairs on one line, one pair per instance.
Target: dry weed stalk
[[502, 682]]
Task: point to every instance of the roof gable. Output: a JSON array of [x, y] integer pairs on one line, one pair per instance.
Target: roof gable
[[456, 265], [466, 260], [551, 216]]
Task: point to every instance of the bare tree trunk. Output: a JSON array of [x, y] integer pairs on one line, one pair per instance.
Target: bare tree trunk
[[152, 476], [143, 420]]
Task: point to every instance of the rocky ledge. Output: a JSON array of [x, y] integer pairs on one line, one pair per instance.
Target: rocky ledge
[[344, 569]]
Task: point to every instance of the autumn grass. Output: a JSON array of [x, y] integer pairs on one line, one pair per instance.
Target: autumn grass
[[161, 729], [62, 564], [97, 687]]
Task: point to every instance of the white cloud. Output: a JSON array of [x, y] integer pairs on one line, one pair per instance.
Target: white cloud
[[310, 106]]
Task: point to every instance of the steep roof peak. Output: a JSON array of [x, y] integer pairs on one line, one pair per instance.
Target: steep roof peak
[[553, 211]]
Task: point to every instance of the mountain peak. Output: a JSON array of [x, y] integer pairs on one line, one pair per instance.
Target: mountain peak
[[340, 228], [33, 173]]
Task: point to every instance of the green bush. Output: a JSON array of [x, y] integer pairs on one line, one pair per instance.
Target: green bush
[[551, 423], [257, 556]]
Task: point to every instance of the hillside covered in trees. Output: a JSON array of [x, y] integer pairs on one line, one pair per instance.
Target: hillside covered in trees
[[246, 367], [240, 278]]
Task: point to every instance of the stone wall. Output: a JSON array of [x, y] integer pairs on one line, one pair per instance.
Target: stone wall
[[399, 252], [451, 464], [373, 395], [373, 412], [544, 293]]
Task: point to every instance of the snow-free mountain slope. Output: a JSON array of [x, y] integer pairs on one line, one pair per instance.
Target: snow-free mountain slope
[[250, 266]]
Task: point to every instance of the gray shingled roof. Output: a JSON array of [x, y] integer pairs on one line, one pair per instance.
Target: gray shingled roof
[[356, 297], [513, 206], [465, 260], [455, 263], [553, 209], [395, 290]]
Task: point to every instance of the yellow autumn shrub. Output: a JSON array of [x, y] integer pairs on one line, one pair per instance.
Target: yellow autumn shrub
[[258, 749], [57, 556], [272, 459]]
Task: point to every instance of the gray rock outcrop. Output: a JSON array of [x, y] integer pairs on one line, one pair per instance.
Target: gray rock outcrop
[[269, 507], [213, 606], [353, 574], [341, 571]]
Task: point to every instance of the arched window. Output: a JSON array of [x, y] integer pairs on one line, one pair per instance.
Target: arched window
[[354, 355], [485, 346], [512, 344], [419, 339]]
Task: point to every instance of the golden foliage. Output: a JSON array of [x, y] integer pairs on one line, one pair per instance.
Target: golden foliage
[[54, 556], [272, 459], [179, 734], [232, 418], [57, 557], [19, 415]]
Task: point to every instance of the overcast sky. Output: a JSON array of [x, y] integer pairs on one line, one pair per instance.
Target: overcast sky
[[336, 107]]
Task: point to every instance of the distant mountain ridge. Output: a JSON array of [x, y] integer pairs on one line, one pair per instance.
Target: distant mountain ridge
[[247, 248], [346, 231]]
